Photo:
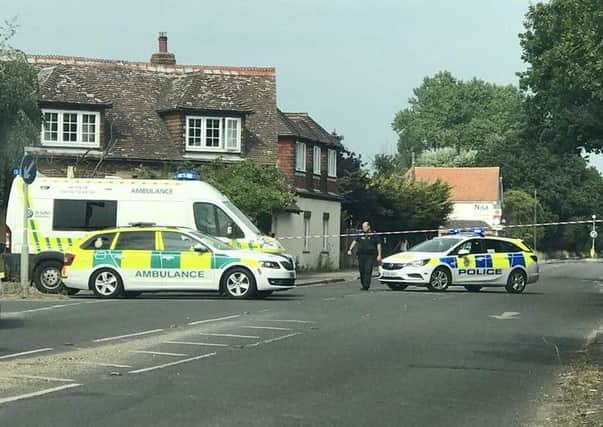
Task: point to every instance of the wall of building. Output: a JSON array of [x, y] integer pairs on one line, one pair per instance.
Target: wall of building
[[487, 211], [314, 252]]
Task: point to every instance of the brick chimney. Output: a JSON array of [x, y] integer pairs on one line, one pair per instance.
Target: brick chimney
[[163, 57]]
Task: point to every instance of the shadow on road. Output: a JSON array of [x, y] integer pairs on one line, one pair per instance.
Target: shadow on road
[[10, 323]]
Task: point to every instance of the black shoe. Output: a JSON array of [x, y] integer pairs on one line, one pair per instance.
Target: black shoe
[[364, 288]]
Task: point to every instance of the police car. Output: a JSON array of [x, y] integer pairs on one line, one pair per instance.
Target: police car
[[130, 260], [471, 260]]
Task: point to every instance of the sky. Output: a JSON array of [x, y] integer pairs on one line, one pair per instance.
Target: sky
[[351, 65]]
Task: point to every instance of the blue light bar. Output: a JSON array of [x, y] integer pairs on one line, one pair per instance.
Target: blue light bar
[[188, 175], [474, 230]]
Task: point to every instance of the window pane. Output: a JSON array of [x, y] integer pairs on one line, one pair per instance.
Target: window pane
[[69, 127], [212, 133], [177, 242], [194, 132], [84, 214], [51, 127], [232, 134], [205, 218], [136, 240], [88, 128], [99, 242]]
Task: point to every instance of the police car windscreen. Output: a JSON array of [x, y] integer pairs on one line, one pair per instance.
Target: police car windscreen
[[436, 245]]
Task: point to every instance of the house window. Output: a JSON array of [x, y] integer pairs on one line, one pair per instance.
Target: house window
[[325, 231], [316, 160], [70, 128], [300, 157], [307, 215], [332, 163], [213, 134]]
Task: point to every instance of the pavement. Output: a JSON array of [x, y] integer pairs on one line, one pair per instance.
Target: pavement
[[314, 278], [325, 354]]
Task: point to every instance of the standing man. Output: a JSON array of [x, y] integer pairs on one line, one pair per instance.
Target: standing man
[[369, 248]]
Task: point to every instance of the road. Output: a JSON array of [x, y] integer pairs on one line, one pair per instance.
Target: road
[[329, 355]]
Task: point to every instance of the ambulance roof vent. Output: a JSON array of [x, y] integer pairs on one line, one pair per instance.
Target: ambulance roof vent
[[142, 224]]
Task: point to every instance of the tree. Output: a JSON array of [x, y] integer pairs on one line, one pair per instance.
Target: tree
[[255, 189], [353, 184], [520, 207], [447, 157], [447, 112], [563, 46], [389, 164], [20, 116]]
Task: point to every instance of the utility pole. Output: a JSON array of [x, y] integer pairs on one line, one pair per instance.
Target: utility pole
[[593, 235]]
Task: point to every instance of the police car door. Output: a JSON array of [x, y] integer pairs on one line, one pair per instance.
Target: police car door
[[498, 252], [133, 250], [469, 266], [185, 266]]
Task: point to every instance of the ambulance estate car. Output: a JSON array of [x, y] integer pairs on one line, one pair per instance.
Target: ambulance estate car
[[130, 260], [472, 261]]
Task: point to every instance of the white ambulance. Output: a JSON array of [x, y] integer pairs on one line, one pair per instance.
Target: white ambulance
[[63, 209]]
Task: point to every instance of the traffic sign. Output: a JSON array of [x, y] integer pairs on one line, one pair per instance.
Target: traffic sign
[[28, 168], [594, 234]]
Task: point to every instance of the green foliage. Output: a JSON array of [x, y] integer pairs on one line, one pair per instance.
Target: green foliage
[[255, 189], [519, 207], [562, 45], [447, 157], [388, 164], [447, 112], [20, 116]]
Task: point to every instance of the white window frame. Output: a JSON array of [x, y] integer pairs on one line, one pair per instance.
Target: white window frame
[[80, 121], [307, 228], [325, 233], [223, 135], [316, 160], [332, 163], [300, 160]]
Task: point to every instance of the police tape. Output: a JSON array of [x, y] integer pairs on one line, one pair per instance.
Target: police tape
[[500, 228]]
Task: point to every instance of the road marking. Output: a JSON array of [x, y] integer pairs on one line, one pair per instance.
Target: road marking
[[166, 365], [284, 337], [159, 353], [25, 353], [252, 337], [196, 343], [136, 334], [329, 299], [507, 315], [50, 307], [37, 393], [271, 328], [286, 321], [107, 365], [34, 377], [217, 319]]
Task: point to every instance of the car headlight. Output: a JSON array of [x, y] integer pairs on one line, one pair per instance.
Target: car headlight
[[270, 264], [419, 263]]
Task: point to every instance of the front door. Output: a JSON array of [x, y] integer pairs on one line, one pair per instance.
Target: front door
[[184, 267], [133, 250]]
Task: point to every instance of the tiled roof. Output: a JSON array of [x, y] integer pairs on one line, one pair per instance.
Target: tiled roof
[[136, 93], [466, 184], [301, 125]]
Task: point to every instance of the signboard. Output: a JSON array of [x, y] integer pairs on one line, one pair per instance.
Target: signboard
[[594, 234], [28, 169]]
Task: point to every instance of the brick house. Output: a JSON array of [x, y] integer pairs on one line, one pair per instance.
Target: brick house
[[112, 117], [476, 193]]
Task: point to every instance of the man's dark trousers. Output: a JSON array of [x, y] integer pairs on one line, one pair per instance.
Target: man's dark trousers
[[365, 265]]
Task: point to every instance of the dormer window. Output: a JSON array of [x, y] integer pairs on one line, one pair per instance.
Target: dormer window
[[214, 134], [61, 128]]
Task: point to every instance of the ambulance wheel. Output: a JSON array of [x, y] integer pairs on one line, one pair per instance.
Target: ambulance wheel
[[106, 283], [440, 280], [473, 288], [516, 283], [239, 283], [47, 277], [397, 286]]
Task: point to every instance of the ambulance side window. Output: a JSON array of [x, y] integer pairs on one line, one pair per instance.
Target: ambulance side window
[[177, 242], [136, 240], [212, 220], [99, 242]]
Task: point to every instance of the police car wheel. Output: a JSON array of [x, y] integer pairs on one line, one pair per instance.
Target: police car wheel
[[516, 283], [106, 283], [440, 280], [238, 283], [47, 277], [473, 288], [397, 286]]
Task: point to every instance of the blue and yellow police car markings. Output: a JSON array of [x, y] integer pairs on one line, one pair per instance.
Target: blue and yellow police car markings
[[450, 261]]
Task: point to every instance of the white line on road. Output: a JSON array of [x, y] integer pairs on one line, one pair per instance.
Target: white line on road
[[136, 334], [159, 353], [252, 337], [286, 321], [34, 377], [284, 337], [217, 319], [37, 393], [208, 344], [270, 328], [50, 307], [507, 315], [25, 353], [166, 365]]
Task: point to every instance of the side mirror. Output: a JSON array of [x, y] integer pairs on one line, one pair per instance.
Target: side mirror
[[200, 248], [463, 252]]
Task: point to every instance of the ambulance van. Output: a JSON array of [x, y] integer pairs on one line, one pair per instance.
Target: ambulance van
[[61, 210]]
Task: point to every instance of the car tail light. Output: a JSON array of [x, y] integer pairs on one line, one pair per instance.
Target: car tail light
[[9, 240], [69, 259], [534, 258]]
